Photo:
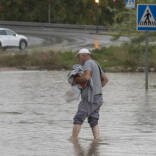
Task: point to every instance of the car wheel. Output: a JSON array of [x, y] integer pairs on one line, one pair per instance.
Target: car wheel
[[23, 44], [2, 48]]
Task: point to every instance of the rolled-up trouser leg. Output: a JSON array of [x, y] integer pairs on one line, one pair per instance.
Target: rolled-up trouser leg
[[93, 118], [90, 110], [82, 112], [79, 117]]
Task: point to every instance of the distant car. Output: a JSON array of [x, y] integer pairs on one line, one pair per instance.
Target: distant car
[[10, 39]]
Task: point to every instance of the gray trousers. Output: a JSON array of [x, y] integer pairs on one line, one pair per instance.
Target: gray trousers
[[88, 110]]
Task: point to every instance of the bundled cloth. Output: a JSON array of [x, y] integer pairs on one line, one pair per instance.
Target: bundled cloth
[[85, 88], [77, 70]]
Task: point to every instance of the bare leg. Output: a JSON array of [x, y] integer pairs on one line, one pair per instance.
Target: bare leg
[[76, 130], [96, 132]]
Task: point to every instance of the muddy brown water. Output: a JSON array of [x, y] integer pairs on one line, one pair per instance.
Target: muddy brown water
[[35, 120]]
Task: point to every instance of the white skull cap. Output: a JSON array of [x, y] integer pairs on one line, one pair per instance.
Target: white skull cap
[[83, 51]]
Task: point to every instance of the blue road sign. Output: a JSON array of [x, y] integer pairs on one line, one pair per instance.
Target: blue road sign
[[130, 3], [146, 17]]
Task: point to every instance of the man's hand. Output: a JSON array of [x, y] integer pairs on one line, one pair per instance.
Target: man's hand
[[84, 78], [104, 80]]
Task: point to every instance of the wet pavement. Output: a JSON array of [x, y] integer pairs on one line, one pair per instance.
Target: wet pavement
[[60, 39], [35, 120]]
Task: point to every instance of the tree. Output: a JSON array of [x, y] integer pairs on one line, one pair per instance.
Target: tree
[[63, 11]]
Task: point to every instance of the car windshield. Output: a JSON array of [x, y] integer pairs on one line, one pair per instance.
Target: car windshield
[[3, 32], [10, 32]]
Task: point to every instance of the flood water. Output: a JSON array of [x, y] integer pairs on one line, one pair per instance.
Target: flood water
[[35, 120]]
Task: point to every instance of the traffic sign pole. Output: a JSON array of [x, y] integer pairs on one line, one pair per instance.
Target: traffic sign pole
[[146, 62], [146, 21]]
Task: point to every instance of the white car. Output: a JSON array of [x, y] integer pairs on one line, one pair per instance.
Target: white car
[[9, 38]]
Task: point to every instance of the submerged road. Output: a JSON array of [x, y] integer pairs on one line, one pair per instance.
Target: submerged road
[[35, 120]]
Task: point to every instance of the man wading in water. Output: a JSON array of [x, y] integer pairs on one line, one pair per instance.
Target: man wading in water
[[89, 108]]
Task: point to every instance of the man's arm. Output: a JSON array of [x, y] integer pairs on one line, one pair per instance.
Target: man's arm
[[84, 78], [104, 79]]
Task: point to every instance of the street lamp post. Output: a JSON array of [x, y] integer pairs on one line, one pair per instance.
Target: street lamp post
[[97, 20], [49, 11]]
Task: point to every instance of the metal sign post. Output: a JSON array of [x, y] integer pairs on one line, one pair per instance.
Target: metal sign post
[[146, 21], [146, 62]]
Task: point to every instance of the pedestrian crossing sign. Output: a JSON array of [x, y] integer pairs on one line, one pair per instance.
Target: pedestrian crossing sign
[[130, 3], [146, 17]]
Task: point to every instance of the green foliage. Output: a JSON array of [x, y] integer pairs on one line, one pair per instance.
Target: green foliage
[[62, 11], [73, 12], [129, 55]]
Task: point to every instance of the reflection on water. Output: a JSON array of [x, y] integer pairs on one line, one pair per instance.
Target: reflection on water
[[92, 150], [36, 120]]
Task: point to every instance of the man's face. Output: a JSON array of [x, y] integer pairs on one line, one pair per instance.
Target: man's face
[[81, 58]]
